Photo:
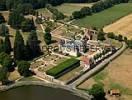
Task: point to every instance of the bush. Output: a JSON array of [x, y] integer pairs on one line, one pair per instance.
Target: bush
[[23, 68], [111, 35], [62, 67], [98, 92]]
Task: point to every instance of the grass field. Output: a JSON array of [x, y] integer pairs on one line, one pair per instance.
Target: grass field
[[45, 12], [116, 75], [68, 8], [105, 17]]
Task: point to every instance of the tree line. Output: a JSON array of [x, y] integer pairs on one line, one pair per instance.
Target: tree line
[[97, 7], [11, 4]]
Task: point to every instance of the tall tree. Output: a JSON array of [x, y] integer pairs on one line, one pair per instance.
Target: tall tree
[[25, 8], [4, 30], [15, 19], [3, 55], [2, 19], [7, 63], [1, 46], [7, 45], [3, 75], [47, 36], [2, 4], [19, 46], [27, 25], [33, 44]]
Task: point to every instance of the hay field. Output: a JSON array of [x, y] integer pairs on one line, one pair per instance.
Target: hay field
[[122, 26]]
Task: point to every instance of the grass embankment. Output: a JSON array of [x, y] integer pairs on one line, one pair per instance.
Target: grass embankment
[[105, 17], [63, 67]]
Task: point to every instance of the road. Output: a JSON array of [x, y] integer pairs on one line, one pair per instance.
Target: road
[[97, 68]]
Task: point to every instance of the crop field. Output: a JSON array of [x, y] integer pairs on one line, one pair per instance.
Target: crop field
[[122, 26], [68, 8], [117, 75], [105, 17]]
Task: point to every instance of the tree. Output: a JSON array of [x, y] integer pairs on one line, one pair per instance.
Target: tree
[[2, 5], [2, 19], [86, 11], [15, 19], [7, 63], [97, 91], [120, 37], [1, 46], [12, 4], [129, 43], [125, 39], [3, 55], [19, 46], [33, 44], [4, 30], [25, 8], [7, 45], [47, 36], [23, 68], [27, 25], [77, 14], [101, 36], [111, 35], [3, 75]]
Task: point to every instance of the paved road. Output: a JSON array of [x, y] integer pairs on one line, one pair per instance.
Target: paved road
[[97, 68]]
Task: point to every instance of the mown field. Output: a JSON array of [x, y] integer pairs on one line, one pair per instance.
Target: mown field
[[117, 75], [122, 26], [105, 17], [68, 8]]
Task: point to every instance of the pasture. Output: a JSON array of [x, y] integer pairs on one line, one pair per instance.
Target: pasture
[[105, 17]]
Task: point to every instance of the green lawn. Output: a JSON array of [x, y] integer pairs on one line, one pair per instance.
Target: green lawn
[[105, 17], [68, 8], [62, 67]]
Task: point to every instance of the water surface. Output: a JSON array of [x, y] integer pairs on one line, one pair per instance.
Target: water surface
[[37, 93]]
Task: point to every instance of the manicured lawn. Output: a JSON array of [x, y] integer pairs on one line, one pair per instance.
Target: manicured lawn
[[68, 8], [62, 67], [105, 17]]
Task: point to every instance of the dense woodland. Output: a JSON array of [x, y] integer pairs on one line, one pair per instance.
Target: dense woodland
[[9, 4]]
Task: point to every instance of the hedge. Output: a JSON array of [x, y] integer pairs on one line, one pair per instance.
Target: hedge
[[63, 67]]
